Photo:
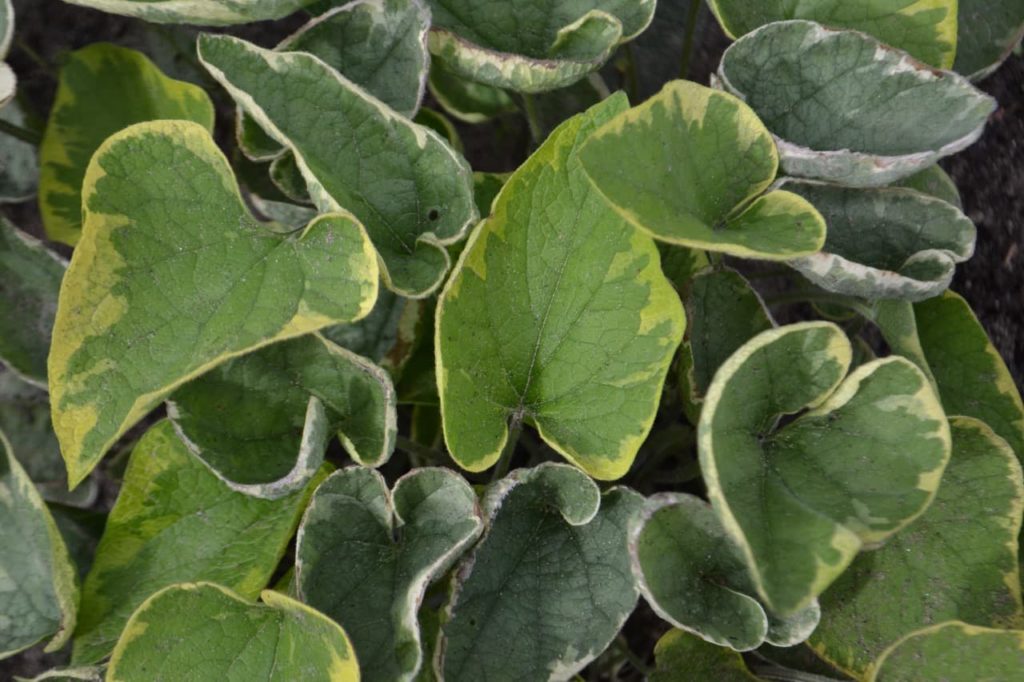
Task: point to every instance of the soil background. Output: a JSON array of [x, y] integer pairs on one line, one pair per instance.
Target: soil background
[[990, 174]]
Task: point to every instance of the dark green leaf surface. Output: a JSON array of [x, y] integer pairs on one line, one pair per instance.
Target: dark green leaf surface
[[989, 30], [549, 585], [845, 108], [175, 521], [954, 652], [557, 315], [958, 561], [682, 657], [365, 551]]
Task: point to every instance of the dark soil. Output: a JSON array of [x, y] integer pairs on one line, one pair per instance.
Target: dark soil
[[990, 174]]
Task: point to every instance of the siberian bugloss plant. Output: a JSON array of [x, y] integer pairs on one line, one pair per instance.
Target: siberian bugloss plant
[[370, 413]]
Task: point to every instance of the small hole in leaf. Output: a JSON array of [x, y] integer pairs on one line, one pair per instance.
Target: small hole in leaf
[[433, 215]]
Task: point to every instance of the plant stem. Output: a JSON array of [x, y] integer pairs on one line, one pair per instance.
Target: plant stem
[[420, 453], [530, 110], [691, 32], [638, 663], [24, 134], [43, 65], [505, 460]]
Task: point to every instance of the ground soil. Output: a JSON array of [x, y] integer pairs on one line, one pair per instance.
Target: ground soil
[[990, 174]]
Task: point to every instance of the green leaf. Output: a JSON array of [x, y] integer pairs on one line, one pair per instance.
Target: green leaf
[[989, 30], [157, 296], [201, 631], [391, 546], [558, 315], [379, 45], [935, 182], [19, 161], [103, 88], [862, 461], [249, 420], [203, 12], [174, 521], [8, 81], [884, 243], [694, 576], [846, 108], [30, 276], [681, 264], [682, 657], [484, 40], [25, 419], [927, 29], [958, 561], [384, 335], [953, 652], [724, 312], [549, 585], [39, 594], [690, 165], [467, 100], [973, 379], [411, 191]]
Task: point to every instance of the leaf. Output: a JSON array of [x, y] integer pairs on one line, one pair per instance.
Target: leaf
[[681, 264], [927, 29], [103, 89], [845, 108], [693, 575], [724, 312], [8, 81], [690, 165], [467, 100], [954, 652], [249, 419], [25, 419], [154, 298], [19, 161], [972, 378], [204, 12], [411, 191], [547, 587], [391, 546], [935, 182], [174, 521], [958, 561], [203, 631], [39, 594], [379, 45], [884, 243], [484, 40], [441, 125], [383, 334], [558, 315], [76, 674], [682, 657], [989, 30], [30, 276], [862, 461]]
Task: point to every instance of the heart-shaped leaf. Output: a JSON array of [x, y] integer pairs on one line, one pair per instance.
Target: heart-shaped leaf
[[103, 88], [382, 557], [19, 160], [926, 29], [380, 45], [953, 652], [989, 30], [863, 460], [203, 12], [173, 276], [723, 312], [250, 419], [281, 640], [693, 575], [958, 561], [39, 594], [846, 108], [485, 40], [690, 166], [558, 315], [30, 276], [174, 521], [682, 657], [413, 193], [886, 242], [549, 585]]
